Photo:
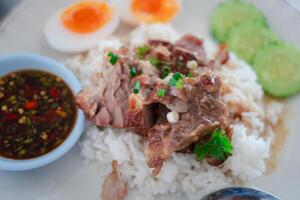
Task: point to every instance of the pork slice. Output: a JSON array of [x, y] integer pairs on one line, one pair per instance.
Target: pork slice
[[190, 42], [205, 114], [143, 107], [143, 119], [187, 48], [156, 43], [175, 101], [88, 99], [106, 102], [141, 115], [113, 187], [190, 47]]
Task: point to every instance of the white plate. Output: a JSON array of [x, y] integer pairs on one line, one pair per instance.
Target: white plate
[[68, 178]]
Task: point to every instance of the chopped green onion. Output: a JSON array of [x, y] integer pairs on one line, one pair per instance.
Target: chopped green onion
[[154, 61], [190, 74], [136, 87], [141, 51], [177, 76], [165, 71], [133, 71], [161, 92], [179, 84], [113, 58]]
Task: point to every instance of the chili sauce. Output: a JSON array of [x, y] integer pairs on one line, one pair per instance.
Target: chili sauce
[[37, 113]]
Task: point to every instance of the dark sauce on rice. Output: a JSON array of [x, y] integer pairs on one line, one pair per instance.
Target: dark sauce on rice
[[37, 113]]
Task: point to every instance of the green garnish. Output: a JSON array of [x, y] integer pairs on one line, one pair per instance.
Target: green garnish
[[190, 74], [133, 71], [177, 76], [113, 58], [154, 61], [177, 81], [218, 147], [141, 51], [136, 87], [179, 84], [165, 71], [172, 82], [161, 92]]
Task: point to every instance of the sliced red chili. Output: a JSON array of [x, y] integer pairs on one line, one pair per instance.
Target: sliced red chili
[[31, 105], [11, 116], [54, 92]]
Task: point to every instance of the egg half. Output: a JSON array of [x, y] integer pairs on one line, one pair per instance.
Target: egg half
[[80, 26], [148, 11]]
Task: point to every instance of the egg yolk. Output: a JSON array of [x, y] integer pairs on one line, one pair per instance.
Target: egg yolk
[[151, 11], [86, 17]]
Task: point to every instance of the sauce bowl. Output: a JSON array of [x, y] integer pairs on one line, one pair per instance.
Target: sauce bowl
[[14, 62]]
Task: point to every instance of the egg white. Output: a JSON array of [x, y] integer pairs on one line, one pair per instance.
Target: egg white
[[62, 39], [124, 8]]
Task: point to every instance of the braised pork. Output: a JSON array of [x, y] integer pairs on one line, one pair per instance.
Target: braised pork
[[110, 102], [206, 113], [106, 102], [113, 187], [190, 47]]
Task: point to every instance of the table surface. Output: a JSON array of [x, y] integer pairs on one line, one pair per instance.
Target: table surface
[[68, 178]]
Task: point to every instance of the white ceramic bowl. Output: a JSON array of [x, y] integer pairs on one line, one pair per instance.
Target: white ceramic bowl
[[14, 62]]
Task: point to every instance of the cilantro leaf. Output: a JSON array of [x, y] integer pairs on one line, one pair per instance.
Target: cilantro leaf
[[177, 80], [113, 58], [177, 76], [161, 92], [172, 82], [218, 147]]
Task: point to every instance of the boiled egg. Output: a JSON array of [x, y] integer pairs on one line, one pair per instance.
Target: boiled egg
[[148, 11], [81, 25]]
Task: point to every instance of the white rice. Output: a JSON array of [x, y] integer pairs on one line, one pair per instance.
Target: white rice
[[156, 31], [182, 174], [86, 65]]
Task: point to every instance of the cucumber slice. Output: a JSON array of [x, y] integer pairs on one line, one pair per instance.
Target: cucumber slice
[[247, 38], [278, 69], [231, 13]]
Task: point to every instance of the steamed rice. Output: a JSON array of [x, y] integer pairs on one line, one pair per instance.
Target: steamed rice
[[182, 174]]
